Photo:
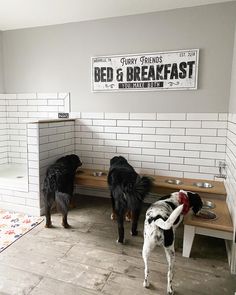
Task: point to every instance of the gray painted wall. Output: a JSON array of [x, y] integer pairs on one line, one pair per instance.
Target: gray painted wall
[[232, 101], [57, 58], [1, 64]]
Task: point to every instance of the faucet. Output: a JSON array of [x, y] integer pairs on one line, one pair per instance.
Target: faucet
[[222, 167]]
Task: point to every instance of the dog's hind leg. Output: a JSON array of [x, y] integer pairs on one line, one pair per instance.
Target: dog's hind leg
[[148, 246], [48, 201], [120, 222], [63, 202], [170, 256], [70, 190], [135, 217], [113, 214]]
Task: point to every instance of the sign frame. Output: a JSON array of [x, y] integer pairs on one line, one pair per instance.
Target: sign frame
[[182, 51]]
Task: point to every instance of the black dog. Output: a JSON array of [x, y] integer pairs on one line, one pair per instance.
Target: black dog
[[128, 190], [58, 186]]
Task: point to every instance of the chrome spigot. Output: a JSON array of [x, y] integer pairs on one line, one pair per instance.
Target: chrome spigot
[[222, 167]]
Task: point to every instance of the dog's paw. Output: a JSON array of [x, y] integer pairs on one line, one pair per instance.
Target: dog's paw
[[146, 283], [134, 233], [48, 225], [66, 225], [170, 291], [120, 241]]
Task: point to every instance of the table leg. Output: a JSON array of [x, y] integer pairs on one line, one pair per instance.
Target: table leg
[[189, 233]]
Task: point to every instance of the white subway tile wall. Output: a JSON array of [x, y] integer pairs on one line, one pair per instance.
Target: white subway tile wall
[[3, 131], [56, 139], [16, 110], [231, 181], [180, 145], [231, 165]]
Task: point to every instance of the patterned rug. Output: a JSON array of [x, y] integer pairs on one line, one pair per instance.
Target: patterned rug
[[14, 225]]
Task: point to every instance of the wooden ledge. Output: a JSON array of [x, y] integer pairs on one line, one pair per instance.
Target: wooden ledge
[[85, 177], [222, 222], [187, 184]]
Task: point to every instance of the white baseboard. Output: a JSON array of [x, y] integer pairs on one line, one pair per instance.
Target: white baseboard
[[20, 208]]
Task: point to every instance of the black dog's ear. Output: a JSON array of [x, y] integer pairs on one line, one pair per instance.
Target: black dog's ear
[[114, 160], [195, 201], [74, 161], [118, 160]]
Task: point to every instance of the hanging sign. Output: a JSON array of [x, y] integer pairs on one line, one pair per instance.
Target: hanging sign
[[170, 70]]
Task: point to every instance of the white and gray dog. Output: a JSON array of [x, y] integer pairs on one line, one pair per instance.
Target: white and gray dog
[[162, 218]]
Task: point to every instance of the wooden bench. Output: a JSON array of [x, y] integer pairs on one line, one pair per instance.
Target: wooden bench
[[221, 227], [85, 178]]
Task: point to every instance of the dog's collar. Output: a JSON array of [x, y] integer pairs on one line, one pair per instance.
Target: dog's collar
[[183, 199]]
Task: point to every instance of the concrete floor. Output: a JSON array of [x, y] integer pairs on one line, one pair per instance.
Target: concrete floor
[[86, 260]]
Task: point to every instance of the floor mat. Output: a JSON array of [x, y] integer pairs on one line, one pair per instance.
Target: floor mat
[[14, 225]]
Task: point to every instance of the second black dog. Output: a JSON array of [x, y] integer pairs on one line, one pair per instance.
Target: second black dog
[[58, 186], [128, 190]]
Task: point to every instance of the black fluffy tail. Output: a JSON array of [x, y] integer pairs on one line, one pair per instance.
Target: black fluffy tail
[[62, 202], [143, 186], [137, 192]]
